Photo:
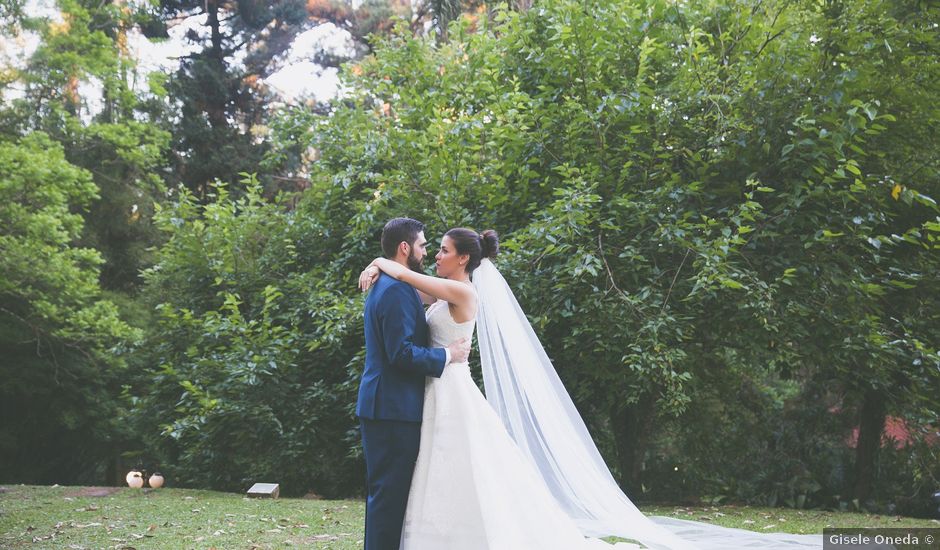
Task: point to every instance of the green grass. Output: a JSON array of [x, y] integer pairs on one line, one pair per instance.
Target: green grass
[[783, 520], [55, 517], [65, 517]]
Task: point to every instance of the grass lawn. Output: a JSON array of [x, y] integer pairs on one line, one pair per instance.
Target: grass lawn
[[783, 520], [98, 517], [61, 517]]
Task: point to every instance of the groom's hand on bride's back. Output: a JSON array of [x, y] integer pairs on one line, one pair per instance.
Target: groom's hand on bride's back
[[459, 350]]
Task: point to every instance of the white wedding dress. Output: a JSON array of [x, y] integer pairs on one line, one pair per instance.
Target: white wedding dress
[[517, 469], [472, 488]]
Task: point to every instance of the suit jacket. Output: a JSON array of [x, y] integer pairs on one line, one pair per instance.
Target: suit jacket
[[397, 356]]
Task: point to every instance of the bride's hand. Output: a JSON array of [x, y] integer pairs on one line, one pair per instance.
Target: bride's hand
[[368, 277]]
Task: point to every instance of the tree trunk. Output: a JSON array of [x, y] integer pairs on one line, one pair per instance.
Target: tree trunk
[[632, 425], [445, 11], [870, 427], [215, 104]]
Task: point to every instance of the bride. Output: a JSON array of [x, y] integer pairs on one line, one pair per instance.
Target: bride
[[516, 470]]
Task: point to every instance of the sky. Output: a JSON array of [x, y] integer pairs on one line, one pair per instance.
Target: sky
[[299, 78]]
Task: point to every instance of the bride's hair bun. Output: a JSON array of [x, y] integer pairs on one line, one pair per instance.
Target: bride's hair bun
[[473, 244], [489, 242]]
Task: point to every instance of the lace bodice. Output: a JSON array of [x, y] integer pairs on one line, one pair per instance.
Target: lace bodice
[[444, 330]]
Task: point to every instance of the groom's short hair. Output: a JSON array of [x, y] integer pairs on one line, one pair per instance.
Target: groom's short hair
[[398, 230]]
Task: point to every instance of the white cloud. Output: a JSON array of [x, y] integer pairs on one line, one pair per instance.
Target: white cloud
[[326, 37], [163, 55], [301, 77], [305, 79]]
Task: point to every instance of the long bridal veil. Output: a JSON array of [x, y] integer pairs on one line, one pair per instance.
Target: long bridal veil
[[522, 386]]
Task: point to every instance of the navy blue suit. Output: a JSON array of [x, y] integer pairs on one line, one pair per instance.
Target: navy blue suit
[[391, 402]]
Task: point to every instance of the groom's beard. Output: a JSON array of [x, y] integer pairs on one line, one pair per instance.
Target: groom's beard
[[414, 263]]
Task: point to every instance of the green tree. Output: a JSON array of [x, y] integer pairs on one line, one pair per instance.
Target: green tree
[[718, 217], [80, 181], [56, 330], [105, 132], [222, 101], [682, 182], [218, 106], [246, 371]]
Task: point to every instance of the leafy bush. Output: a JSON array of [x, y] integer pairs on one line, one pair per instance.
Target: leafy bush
[[727, 203], [246, 374], [58, 381]]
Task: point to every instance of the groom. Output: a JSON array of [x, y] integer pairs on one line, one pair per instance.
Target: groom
[[391, 393]]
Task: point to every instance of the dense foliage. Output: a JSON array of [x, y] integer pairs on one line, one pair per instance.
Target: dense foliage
[[718, 216], [76, 192], [249, 366], [57, 377], [730, 206]]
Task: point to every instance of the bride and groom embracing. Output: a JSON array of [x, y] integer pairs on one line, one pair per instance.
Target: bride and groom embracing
[[450, 469]]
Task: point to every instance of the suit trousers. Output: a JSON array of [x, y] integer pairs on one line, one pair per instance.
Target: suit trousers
[[390, 448]]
